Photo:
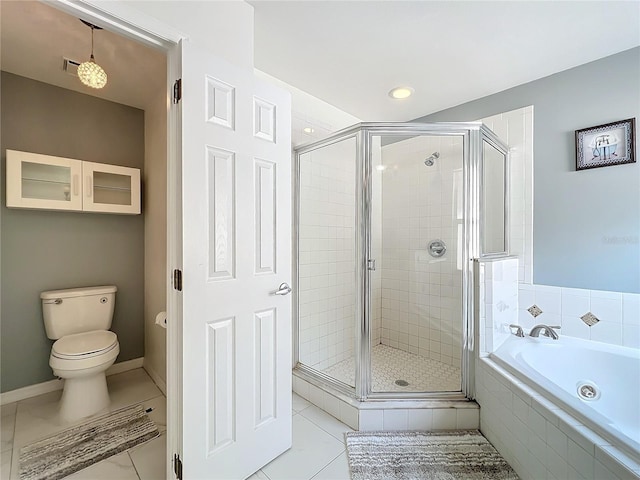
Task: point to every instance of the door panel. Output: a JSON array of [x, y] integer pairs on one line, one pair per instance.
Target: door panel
[[236, 252]]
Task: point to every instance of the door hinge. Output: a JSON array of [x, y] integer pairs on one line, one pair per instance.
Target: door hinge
[[177, 466], [177, 280], [177, 90]]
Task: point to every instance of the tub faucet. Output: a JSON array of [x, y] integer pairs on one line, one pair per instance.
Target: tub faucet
[[547, 331]]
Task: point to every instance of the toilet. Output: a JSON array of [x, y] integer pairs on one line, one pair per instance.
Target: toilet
[[79, 320]]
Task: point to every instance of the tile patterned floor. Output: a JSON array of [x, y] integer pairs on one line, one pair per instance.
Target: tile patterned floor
[[389, 364], [33, 418], [318, 451]]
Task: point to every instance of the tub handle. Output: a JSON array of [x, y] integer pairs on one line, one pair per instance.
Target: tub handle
[[519, 332]]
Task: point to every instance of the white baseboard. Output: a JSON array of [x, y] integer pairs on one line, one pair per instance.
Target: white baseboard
[[53, 385], [161, 384], [125, 366]]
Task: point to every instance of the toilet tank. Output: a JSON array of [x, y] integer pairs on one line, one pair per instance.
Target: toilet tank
[[77, 310]]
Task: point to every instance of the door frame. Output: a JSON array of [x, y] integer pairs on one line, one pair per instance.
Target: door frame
[[149, 31]]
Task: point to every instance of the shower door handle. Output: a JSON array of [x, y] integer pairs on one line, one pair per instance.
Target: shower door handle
[[283, 289]]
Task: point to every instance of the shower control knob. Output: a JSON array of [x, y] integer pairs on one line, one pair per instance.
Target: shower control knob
[[437, 248]]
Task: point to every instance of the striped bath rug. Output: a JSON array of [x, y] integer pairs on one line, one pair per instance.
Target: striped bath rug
[[76, 448], [459, 455]]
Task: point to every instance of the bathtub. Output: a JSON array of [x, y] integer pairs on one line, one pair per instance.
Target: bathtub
[[597, 383]]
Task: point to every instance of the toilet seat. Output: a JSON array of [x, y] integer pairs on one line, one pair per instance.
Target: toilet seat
[[84, 345]]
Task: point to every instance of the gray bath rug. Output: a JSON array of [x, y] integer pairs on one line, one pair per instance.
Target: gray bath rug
[[71, 450], [459, 455]]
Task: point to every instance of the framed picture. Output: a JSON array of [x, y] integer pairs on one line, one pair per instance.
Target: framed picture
[[605, 145]]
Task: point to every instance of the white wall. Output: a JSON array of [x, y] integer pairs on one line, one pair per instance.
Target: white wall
[[225, 28], [155, 234], [308, 111]]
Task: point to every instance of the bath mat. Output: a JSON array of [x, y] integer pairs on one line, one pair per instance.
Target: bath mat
[[76, 448], [463, 455]]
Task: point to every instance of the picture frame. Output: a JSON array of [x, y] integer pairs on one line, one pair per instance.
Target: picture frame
[[605, 145]]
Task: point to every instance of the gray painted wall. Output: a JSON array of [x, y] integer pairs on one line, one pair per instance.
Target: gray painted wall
[[586, 224], [44, 250]]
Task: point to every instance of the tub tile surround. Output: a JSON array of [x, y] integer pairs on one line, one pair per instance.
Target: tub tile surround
[[538, 439], [534, 435], [618, 313]]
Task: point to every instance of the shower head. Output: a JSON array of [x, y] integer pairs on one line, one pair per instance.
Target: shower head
[[429, 161]]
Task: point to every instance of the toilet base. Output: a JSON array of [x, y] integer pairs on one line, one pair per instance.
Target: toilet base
[[84, 396]]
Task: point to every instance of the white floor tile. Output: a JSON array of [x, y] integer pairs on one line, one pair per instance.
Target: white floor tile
[[150, 458], [119, 466], [159, 413], [5, 464], [37, 417], [7, 425], [312, 450], [338, 469], [131, 387], [8, 409], [329, 424], [259, 475], [299, 403]]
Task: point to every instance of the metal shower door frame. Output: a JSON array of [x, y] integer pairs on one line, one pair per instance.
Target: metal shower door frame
[[470, 133], [473, 134]]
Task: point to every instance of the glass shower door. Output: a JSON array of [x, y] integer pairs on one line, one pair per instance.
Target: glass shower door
[[416, 240], [327, 261]]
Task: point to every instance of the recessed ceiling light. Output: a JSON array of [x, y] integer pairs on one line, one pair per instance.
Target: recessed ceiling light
[[308, 130], [401, 92]]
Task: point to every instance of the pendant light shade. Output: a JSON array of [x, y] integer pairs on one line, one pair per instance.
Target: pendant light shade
[[89, 72]]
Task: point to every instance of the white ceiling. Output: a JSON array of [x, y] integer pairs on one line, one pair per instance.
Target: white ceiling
[[351, 53], [35, 37]]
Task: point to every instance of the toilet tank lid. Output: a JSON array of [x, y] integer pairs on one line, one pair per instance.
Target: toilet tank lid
[[78, 292]]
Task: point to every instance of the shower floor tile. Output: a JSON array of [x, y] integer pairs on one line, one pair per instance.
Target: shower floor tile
[[389, 364]]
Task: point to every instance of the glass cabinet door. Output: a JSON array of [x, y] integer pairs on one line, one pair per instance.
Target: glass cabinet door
[[111, 188], [43, 181]]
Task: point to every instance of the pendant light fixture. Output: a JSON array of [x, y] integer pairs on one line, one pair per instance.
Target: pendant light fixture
[[89, 72]]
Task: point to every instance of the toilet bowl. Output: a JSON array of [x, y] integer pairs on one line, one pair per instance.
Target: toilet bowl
[[78, 319], [81, 360]]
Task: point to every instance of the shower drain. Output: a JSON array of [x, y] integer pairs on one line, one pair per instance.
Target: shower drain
[[402, 383], [588, 391]]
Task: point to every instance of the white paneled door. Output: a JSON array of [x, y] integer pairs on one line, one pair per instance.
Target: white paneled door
[[236, 184]]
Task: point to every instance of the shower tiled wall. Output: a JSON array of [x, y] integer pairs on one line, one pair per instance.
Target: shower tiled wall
[[420, 294], [515, 128], [327, 257]]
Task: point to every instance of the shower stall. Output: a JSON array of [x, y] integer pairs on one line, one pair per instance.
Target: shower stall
[[389, 218]]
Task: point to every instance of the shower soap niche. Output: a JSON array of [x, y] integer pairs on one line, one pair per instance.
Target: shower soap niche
[[56, 183]]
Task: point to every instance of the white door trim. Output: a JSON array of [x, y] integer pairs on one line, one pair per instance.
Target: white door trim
[[141, 27], [123, 20]]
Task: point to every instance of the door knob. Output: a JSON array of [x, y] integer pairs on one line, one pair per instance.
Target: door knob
[[283, 289]]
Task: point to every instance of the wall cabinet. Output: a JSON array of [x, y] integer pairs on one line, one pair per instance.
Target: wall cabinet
[[56, 183]]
